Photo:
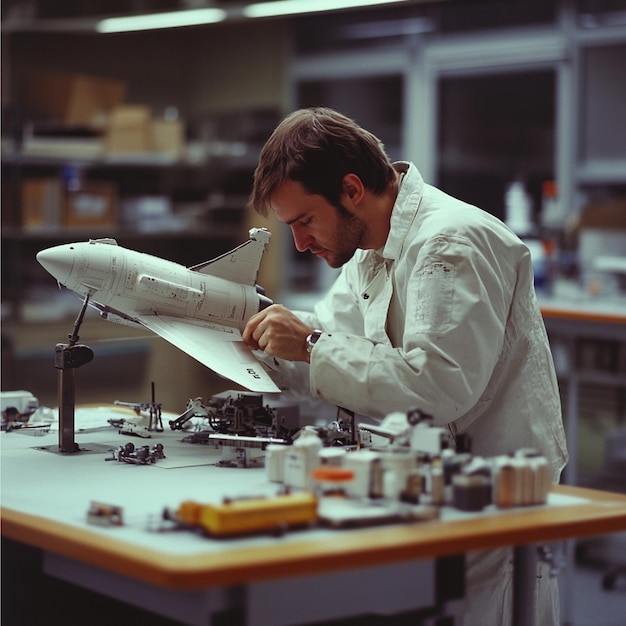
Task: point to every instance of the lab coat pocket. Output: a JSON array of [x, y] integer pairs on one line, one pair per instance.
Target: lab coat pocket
[[434, 297]]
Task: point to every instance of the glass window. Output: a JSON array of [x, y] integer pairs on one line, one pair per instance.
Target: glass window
[[603, 103], [492, 129], [374, 102]]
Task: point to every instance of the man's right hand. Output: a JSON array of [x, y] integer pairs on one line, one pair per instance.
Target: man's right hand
[[278, 332]]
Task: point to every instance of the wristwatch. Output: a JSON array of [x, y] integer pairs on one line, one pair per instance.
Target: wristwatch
[[311, 340]]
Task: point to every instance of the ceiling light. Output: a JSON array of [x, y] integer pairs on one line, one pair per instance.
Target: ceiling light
[[172, 19], [292, 7]]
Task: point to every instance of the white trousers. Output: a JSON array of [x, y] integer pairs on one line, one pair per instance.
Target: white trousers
[[489, 591]]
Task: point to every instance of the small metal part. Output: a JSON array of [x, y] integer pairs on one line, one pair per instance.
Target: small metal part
[[137, 456], [102, 514]]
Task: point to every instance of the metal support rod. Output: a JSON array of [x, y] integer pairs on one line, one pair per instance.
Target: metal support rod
[[524, 579], [67, 392], [73, 337]]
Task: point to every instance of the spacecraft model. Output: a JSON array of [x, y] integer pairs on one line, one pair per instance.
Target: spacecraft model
[[201, 309]]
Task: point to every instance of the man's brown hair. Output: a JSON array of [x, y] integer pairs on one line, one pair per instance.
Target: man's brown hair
[[318, 147]]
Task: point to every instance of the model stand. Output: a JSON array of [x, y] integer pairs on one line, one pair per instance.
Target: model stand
[[68, 357]]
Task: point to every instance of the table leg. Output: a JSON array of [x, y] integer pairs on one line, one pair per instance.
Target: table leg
[[524, 578]]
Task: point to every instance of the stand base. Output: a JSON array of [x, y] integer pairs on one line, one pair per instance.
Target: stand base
[[85, 448]]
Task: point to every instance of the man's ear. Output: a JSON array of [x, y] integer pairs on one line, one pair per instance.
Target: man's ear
[[353, 188]]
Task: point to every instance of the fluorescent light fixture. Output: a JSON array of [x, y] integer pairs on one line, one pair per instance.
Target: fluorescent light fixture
[[171, 19], [292, 7]]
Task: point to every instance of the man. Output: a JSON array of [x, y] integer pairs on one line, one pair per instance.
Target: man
[[434, 309]]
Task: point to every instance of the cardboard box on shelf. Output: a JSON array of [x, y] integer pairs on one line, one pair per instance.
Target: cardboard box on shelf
[[41, 204], [129, 129], [93, 204], [167, 137], [73, 99]]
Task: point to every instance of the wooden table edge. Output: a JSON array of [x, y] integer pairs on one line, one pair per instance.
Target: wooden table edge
[[583, 316], [604, 513]]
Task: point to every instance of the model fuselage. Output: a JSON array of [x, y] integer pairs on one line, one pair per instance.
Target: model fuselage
[[126, 284]]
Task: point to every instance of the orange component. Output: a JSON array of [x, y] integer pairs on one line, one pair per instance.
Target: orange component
[[333, 474]]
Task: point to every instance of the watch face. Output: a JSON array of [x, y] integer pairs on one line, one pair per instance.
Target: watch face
[[311, 340]]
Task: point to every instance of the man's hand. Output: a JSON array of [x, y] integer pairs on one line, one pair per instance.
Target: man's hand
[[278, 332]]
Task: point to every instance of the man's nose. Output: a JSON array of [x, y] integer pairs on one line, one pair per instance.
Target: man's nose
[[300, 239]]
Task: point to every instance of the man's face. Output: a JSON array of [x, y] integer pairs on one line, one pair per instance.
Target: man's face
[[329, 232]]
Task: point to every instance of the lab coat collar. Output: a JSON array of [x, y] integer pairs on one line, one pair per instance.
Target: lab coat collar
[[410, 191]]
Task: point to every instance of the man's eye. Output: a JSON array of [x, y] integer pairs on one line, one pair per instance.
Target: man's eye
[[306, 221]]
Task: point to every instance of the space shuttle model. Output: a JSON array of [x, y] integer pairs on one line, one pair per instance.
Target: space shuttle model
[[201, 309]]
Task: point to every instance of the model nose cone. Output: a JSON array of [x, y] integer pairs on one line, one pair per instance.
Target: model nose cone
[[58, 261]]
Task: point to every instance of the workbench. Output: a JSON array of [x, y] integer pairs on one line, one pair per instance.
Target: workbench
[[325, 573]]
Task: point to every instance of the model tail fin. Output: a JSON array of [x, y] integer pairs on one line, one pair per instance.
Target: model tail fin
[[240, 264]]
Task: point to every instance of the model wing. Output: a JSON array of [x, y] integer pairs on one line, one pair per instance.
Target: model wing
[[241, 264], [218, 347]]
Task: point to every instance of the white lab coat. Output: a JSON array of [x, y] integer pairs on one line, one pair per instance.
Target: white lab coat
[[444, 318]]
